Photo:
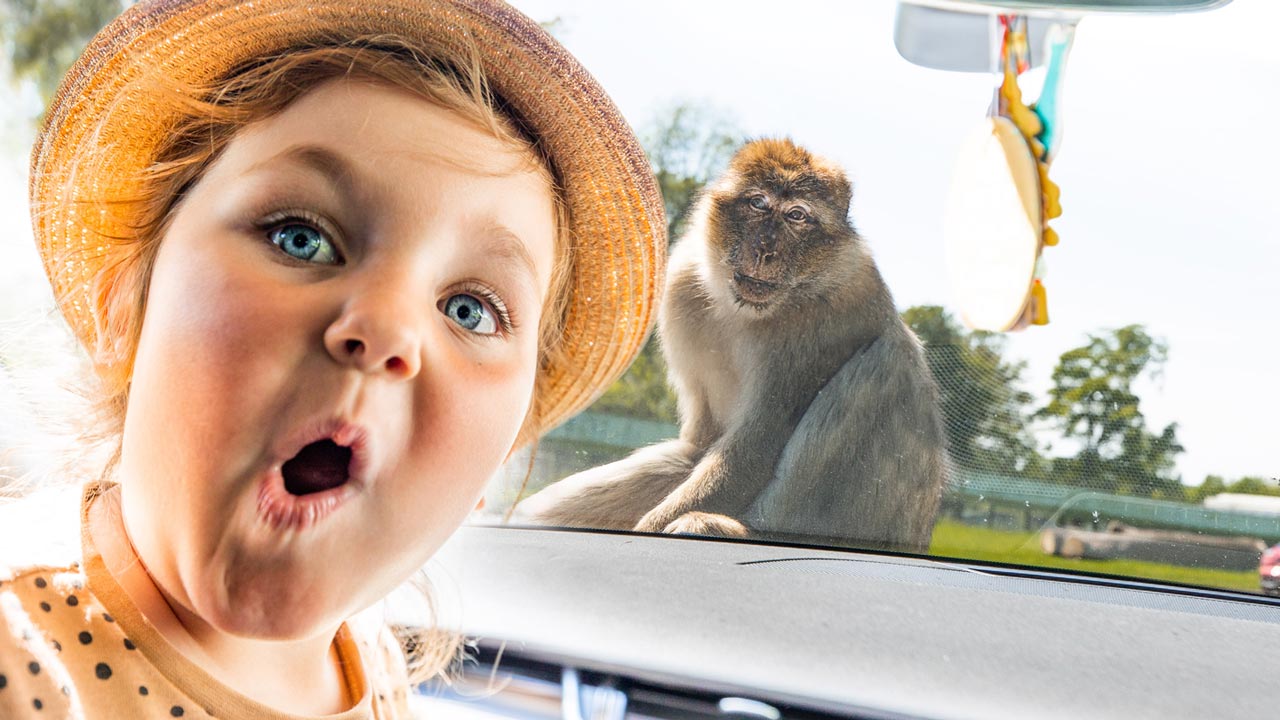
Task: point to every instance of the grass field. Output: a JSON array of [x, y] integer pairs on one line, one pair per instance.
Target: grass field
[[952, 539]]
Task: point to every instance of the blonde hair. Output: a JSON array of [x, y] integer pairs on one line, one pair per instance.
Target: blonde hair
[[210, 115]]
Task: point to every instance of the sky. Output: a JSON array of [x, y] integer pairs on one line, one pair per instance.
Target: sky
[[1167, 168]]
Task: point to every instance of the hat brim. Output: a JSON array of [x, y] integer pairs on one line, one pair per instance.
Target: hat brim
[[617, 224]]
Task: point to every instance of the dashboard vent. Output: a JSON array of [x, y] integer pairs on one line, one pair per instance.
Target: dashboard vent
[[501, 683]]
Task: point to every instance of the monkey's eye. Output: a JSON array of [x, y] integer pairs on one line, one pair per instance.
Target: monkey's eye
[[797, 215], [759, 202]]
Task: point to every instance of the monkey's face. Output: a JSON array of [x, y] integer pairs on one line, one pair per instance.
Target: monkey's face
[[778, 224]]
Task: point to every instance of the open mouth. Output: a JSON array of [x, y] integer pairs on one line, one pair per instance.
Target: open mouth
[[319, 466], [316, 478]]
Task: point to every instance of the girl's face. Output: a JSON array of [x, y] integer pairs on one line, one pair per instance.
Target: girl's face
[[339, 349]]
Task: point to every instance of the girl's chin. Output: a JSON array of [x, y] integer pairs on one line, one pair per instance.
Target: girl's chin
[[274, 608], [274, 593]]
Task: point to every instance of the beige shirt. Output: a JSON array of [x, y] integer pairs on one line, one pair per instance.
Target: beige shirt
[[73, 645]]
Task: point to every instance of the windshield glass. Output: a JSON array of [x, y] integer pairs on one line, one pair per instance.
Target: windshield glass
[[1127, 428], [1128, 436]]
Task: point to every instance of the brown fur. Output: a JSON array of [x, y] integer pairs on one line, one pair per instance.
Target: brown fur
[[807, 410], [700, 523]]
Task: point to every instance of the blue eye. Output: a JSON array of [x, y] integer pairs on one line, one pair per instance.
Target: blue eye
[[471, 314], [304, 242]]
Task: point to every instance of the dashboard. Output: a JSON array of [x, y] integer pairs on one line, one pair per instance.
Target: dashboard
[[578, 624]]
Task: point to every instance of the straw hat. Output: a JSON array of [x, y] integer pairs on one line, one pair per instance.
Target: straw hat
[[617, 228]]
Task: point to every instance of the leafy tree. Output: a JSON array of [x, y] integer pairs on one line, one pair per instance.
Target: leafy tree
[[985, 409], [688, 146], [44, 37], [1147, 466], [1253, 486], [1093, 403], [555, 26], [1212, 485]]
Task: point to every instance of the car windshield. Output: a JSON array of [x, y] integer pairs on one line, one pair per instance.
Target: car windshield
[[1129, 436], [1126, 428]]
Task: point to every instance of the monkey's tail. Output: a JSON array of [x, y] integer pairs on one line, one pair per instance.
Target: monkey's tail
[[524, 484]]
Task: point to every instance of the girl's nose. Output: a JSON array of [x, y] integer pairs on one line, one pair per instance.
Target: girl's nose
[[376, 334]]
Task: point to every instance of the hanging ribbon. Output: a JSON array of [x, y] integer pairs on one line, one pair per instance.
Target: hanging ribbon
[[1040, 132]]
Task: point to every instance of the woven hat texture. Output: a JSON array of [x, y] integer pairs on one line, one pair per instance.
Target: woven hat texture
[[617, 223]]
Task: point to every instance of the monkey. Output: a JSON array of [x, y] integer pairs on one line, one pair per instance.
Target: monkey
[[807, 410]]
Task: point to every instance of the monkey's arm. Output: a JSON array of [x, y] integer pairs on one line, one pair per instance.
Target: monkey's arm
[[734, 470], [612, 496], [689, 346]]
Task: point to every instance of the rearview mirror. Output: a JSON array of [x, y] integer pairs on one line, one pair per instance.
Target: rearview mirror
[[959, 35], [1052, 7], [960, 41]]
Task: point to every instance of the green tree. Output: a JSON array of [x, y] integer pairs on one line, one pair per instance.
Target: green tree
[[44, 37], [1093, 403], [688, 145], [1253, 486], [985, 409], [1147, 466], [1212, 485], [555, 26]]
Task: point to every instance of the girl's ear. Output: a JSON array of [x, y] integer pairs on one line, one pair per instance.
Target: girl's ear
[[117, 295]]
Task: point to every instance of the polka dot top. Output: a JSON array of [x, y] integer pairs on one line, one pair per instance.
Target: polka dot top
[[73, 645]]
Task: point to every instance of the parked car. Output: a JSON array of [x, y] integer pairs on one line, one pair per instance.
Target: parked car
[[1269, 571]]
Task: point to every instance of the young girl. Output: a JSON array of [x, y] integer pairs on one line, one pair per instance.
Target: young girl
[[332, 261]]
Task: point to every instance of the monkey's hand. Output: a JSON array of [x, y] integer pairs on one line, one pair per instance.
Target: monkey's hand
[[700, 523], [660, 520], [707, 490]]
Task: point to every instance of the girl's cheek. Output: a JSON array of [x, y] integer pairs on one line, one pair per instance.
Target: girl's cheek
[[486, 401], [471, 410], [229, 333], [217, 342]]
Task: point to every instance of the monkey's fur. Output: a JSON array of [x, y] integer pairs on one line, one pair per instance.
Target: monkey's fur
[[807, 410]]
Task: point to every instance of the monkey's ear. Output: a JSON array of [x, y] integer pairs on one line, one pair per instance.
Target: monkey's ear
[[837, 183], [725, 184], [841, 192]]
